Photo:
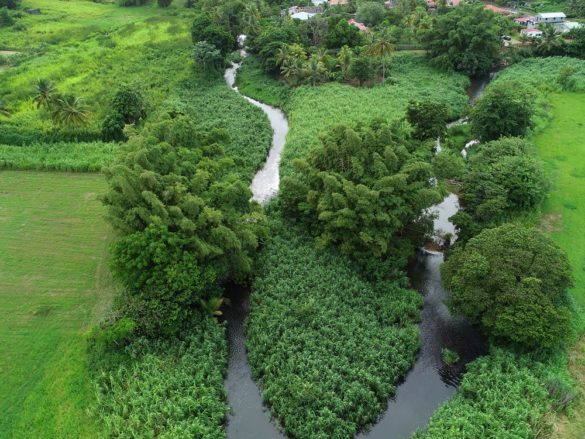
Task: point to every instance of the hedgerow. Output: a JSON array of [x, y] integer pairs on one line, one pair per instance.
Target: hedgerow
[[169, 388], [70, 157], [326, 346]]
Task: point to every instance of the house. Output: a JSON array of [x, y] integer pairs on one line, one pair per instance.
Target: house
[[304, 12], [531, 32], [431, 4], [550, 18], [361, 26], [338, 2], [303, 16], [389, 4], [497, 10], [526, 21]]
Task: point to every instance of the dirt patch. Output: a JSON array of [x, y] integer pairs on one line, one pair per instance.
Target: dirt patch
[[8, 52], [552, 222]]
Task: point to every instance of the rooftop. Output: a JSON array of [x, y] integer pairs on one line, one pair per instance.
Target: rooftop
[[552, 15]]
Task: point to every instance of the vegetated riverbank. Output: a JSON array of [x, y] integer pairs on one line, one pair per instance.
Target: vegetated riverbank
[[301, 408], [561, 147]]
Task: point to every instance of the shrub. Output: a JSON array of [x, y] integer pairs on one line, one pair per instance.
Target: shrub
[[505, 109], [512, 282], [327, 347]]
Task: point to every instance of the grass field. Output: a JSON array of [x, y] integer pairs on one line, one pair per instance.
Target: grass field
[[54, 283], [562, 146]]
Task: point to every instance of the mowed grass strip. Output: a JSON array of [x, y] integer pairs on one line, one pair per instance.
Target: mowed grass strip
[[53, 283], [562, 147]]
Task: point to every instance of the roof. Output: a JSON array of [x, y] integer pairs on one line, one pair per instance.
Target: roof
[[302, 15], [530, 30], [360, 26], [525, 18], [338, 2], [552, 15]]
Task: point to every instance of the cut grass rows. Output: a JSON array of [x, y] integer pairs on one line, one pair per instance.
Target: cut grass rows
[[54, 282]]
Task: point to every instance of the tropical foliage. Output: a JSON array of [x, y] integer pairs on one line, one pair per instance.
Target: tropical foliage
[[360, 187], [327, 347], [513, 282]]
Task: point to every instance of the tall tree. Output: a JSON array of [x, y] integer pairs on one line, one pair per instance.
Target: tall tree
[[512, 282], [382, 48], [466, 39], [70, 111], [46, 94]]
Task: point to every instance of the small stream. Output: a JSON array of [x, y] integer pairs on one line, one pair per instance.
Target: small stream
[[428, 384]]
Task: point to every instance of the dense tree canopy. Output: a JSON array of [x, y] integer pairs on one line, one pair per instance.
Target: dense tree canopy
[[512, 281], [503, 178], [205, 28], [428, 119], [370, 13], [176, 176], [360, 187], [466, 39], [505, 109]]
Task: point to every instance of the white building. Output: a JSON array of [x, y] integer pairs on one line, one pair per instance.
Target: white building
[[550, 18], [532, 33], [304, 16]]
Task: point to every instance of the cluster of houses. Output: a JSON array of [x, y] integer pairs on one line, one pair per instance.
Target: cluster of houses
[[530, 23]]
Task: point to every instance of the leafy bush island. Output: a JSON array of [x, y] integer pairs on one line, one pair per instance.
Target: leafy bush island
[[78, 157], [327, 347], [502, 396], [167, 388]]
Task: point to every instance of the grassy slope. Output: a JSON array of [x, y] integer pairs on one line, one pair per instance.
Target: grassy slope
[[562, 147], [53, 240]]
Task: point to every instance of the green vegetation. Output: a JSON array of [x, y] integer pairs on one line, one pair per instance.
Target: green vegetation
[[327, 346], [313, 110], [168, 388], [69, 157], [512, 282], [361, 188], [505, 109], [252, 81], [502, 396], [53, 241], [560, 146], [466, 39]]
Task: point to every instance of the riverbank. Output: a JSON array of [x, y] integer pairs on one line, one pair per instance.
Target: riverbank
[[561, 146]]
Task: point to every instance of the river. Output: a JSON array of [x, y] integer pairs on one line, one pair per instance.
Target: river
[[428, 384]]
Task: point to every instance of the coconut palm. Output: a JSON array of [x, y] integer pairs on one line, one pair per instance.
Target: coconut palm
[[70, 111], [382, 48], [551, 41], [344, 58], [315, 71], [46, 94]]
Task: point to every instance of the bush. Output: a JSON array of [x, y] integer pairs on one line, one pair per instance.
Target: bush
[[428, 119], [167, 388], [501, 396], [360, 188], [512, 282], [327, 347], [505, 109]]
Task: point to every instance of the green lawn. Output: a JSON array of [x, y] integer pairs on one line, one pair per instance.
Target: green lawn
[[562, 146], [54, 283]]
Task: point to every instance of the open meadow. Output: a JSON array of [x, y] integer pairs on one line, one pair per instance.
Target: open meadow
[[55, 284]]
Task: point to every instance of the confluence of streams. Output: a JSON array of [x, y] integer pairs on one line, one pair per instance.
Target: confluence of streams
[[428, 384]]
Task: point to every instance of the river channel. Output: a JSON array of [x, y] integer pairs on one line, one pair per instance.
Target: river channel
[[428, 384]]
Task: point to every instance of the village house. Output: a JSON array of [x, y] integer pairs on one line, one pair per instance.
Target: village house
[[304, 12], [531, 32], [338, 2], [361, 26], [526, 21], [550, 18]]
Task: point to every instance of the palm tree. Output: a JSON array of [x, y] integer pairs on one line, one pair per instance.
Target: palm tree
[[550, 42], [382, 48], [46, 94], [3, 110], [70, 111], [344, 58], [315, 70], [292, 70]]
